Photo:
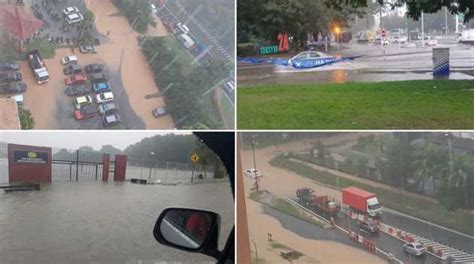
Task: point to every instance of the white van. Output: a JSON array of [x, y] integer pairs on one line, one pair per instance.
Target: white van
[[74, 18], [187, 42]]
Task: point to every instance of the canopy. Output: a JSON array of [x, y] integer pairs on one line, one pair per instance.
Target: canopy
[[18, 23]]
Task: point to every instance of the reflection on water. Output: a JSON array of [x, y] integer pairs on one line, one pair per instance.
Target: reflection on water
[[84, 222]]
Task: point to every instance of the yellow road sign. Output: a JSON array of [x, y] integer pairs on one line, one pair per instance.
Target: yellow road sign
[[195, 157]]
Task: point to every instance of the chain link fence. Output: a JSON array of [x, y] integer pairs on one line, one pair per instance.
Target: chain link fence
[[169, 172]]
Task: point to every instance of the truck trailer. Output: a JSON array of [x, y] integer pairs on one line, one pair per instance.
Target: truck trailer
[[322, 203], [37, 66], [361, 201]]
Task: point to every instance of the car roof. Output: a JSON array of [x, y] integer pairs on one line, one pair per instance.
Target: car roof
[[72, 57]]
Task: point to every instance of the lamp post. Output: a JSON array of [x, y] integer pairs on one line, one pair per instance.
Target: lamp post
[[152, 154], [337, 30]]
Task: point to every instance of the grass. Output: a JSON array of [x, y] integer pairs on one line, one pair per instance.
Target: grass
[[46, 50], [283, 206], [228, 110], [435, 104], [420, 208]]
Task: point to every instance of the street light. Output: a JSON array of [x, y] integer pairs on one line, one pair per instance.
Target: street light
[[337, 30]]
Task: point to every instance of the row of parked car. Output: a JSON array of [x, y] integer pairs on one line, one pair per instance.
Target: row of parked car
[[92, 91], [10, 80]]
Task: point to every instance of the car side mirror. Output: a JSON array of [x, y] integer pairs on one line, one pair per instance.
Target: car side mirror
[[190, 230]]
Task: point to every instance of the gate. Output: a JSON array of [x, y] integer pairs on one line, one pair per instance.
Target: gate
[[76, 165]]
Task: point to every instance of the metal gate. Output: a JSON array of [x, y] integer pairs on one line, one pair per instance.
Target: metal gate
[[76, 165]]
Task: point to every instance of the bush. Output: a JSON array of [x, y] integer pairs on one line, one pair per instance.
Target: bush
[[138, 13], [26, 119]]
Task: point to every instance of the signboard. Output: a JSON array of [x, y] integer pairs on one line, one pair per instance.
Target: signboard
[[35, 157], [269, 50], [195, 158]]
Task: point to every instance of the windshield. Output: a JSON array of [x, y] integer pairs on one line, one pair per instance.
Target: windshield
[[88, 210], [374, 207]]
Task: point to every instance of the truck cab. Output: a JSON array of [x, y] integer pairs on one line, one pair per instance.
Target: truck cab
[[373, 207]]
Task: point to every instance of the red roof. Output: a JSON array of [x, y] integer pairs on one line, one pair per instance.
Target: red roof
[[17, 22]]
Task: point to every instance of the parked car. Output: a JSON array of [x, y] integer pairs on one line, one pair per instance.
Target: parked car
[[7, 77], [111, 120], [253, 173], [85, 112], [74, 18], [94, 68], [19, 99], [70, 10], [69, 60], [72, 69], [368, 228], [107, 108], [159, 112], [76, 79], [9, 66], [101, 87], [104, 97], [13, 88], [81, 101], [99, 78], [88, 49], [414, 248], [76, 90]]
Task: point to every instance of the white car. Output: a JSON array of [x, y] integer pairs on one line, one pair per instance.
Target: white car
[[69, 60], [253, 173], [429, 41], [70, 10], [74, 18], [104, 97], [414, 248]]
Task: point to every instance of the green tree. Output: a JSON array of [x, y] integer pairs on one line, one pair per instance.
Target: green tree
[[399, 155], [429, 164], [26, 119]]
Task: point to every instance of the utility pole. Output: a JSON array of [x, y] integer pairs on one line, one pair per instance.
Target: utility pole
[[446, 20], [422, 29]]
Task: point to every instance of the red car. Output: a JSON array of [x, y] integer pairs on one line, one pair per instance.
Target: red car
[[76, 79], [86, 112]]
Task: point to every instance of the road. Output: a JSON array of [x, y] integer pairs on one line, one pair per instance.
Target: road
[[371, 66]]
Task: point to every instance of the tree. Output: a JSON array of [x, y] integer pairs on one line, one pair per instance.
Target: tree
[[109, 149], [26, 119], [460, 178], [399, 158], [429, 164]]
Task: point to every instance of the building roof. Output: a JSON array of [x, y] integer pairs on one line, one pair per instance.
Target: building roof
[[9, 118], [17, 22]]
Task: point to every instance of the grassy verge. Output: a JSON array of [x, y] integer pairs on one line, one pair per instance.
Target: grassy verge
[[228, 110], [423, 209], [46, 50], [436, 104], [283, 206]]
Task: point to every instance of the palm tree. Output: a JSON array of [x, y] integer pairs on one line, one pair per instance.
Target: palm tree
[[461, 173], [429, 164]]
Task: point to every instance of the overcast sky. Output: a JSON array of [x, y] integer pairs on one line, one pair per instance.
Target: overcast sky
[[76, 138]]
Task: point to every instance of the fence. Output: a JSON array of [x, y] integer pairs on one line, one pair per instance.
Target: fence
[[168, 172], [76, 165], [3, 163]]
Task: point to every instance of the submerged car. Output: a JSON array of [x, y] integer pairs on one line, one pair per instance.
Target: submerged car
[[70, 10], [13, 88], [76, 90], [69, 60], [101, 87], [94, 68], [85, 112], [310, 59], [88, 49], [81, 101], [9, 66], [76, 79], [7, 77], [414, 248], [107, 108], [104, 97], [159, 112], [253, 173], [111, 119], [99, 78], [72, 69]]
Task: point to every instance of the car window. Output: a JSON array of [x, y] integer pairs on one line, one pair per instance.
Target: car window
[[313, 55]]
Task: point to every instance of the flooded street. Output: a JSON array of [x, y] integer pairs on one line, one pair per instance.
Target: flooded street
[[95, 222]]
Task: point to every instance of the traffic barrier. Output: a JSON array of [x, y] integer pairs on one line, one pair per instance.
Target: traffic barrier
[[430, 249], [439, 253]]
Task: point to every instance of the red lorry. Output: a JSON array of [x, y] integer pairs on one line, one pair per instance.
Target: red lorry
[[322, 203], [361, 201]]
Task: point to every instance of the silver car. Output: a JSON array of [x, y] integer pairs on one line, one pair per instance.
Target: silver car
[[414, 248]]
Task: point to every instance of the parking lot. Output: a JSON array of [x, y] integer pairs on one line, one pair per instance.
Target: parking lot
[[129, 76]]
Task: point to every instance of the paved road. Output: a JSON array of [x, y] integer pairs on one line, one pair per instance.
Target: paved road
[[308, 230]]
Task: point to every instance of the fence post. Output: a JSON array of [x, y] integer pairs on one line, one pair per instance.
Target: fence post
[[96, 171], [70, 171], [77, 165]]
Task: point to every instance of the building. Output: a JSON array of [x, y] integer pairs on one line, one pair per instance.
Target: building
[[9, 116], [17, 24]]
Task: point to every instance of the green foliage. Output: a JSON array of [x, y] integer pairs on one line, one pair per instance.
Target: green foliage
[[184, 87], [208, 157], [138, 13], [26, 119], [437, 104], [46, 50]]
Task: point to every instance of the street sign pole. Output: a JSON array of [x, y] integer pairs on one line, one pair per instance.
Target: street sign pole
[[192, 175]]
